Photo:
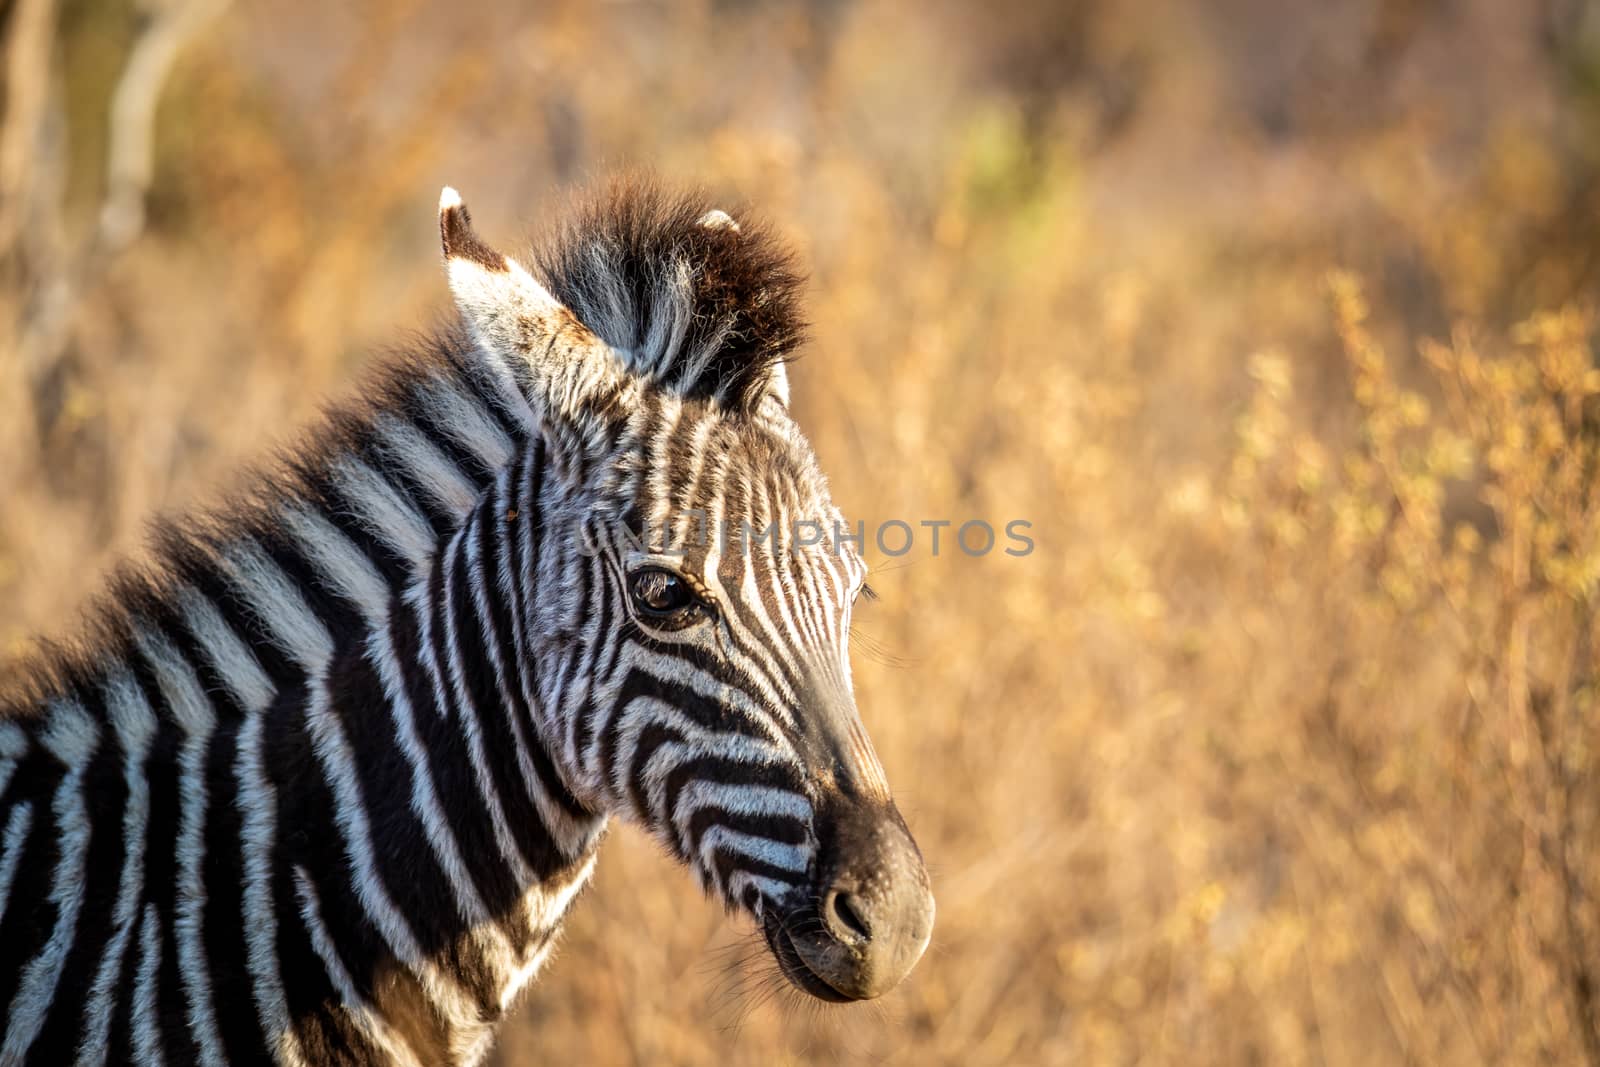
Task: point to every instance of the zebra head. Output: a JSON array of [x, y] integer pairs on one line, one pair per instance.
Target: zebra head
[[691, 605]]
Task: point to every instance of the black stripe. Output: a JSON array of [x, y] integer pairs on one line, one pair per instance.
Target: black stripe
[[499, 558], [105, 796], [477, 470], [384, 780], [450, 759], [713, 715], [728, 772], [390, 562], [405, 865], [306, 834], [784, 829], [30, 915], [223, 915], [726, 863], [651, 738], [432, 910], [533, 839]]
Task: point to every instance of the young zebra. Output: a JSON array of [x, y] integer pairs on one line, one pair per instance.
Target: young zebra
[[321, 783]]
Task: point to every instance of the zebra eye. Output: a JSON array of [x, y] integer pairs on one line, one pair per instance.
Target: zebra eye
[[660, 594]]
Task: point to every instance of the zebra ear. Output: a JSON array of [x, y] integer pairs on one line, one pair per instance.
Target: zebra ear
[[778, 384], [775, 388], [557, 361]]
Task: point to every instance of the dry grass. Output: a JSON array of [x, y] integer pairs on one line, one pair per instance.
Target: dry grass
[[1273, 321]]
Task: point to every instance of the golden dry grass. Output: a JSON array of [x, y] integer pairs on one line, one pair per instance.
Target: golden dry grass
[[1274, 320]]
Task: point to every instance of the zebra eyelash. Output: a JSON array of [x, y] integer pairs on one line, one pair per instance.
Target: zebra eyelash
[[866, 592]]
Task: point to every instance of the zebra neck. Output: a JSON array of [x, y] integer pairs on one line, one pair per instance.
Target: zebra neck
[[294, 792], [485, 796]]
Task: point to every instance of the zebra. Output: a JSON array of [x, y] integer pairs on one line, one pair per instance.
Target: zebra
[[319, 783]]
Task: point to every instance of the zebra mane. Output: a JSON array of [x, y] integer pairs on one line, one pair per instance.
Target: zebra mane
[[404, 383], [694, 302]]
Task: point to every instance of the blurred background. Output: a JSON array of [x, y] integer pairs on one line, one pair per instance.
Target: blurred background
[[1276, 318]]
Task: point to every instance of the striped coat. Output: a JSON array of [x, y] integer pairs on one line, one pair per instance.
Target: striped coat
[[320, 782]]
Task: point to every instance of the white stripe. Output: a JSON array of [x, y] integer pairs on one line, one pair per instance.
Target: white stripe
[[13, 746], [383, 512], [279, 606], [550, 907], [464, 550], [341, 563], [229, 656], [186, 701], [258, 816], [70, 736], [11, 845], [352, 1002], [135, 724], [13, 741], [192, 710], [146, 1010], [725, 839], [670, 316], [697, 742], [739, 800], [571, 833], [464, 419], [658, 471], [405, 446]]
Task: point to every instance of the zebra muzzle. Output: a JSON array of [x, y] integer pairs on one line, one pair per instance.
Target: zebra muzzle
[[868, 921]]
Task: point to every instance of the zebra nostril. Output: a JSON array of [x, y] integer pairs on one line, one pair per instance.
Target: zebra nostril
[[871, 915], [845, 911]]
